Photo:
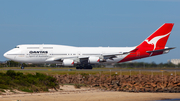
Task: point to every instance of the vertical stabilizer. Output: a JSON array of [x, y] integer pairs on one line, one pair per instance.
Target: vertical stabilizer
[[153, 45], [158, 39]]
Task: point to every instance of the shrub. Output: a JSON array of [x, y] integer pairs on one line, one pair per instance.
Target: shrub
[[11, 73], [27, 83], [2, 90], [19, 74], [2, 86]]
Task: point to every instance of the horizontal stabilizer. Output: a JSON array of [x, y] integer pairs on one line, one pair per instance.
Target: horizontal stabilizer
[[160, 50]]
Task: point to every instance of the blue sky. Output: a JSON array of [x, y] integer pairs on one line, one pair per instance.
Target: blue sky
[[91, 23]]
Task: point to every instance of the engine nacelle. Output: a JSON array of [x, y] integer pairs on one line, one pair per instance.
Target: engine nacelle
[[68, 62], [94, 60]]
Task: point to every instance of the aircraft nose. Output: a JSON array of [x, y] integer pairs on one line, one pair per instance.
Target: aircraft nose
[[9, 54], [5, 55]]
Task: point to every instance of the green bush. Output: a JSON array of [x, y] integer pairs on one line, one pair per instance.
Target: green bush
[[4, 86], [11, 73], [2, 90], [19, 74], [28, 83]]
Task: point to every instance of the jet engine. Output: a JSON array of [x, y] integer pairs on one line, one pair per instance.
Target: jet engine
[[68, 62], [94, 60]]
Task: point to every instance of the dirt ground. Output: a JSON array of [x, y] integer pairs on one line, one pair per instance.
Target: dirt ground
[[69, 93]]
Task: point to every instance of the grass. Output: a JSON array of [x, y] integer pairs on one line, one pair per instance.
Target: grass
[[64, 71]]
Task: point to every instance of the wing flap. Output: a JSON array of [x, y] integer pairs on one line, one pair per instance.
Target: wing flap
[[111, 56], [60, 58]]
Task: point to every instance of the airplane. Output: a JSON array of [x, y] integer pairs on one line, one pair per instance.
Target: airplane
[[85, 57]]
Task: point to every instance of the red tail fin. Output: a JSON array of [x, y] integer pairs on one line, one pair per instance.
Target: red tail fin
[[158, 39], [153, 45]]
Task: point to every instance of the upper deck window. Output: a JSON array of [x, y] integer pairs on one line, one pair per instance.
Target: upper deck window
[[32, 47]]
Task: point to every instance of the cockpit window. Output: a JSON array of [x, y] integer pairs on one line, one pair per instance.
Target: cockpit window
[[17, 47]]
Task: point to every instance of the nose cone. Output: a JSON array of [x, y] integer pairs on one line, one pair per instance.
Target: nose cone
[[11, 54], [5, 55]]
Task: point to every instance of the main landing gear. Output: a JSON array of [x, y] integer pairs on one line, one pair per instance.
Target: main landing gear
[[84, 67], [22, 66]]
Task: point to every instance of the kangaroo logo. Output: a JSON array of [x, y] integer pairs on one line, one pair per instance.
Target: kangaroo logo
[[155, 40]]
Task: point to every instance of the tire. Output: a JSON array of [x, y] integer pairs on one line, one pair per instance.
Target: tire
[[80, 67], [22, 67], [88, 67]]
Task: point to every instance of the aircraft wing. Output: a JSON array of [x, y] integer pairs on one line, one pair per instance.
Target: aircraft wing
[[60, 58], [111, 56], [85, 58]]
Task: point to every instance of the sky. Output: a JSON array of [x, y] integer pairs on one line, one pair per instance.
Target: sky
[[89, 23]]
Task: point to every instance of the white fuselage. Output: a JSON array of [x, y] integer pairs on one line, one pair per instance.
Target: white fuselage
[[43, 53]]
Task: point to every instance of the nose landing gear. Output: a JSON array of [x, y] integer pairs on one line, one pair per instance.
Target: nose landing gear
[[22, 66]]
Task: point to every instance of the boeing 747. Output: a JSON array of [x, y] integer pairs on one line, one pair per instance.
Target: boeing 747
[[85, 57]]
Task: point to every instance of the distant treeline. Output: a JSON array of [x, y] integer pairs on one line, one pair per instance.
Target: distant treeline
[[145, 65], [11, 63]]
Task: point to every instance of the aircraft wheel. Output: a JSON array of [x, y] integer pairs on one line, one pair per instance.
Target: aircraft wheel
[[22, 67], [80, 67], [90, 67], [77, 67]]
